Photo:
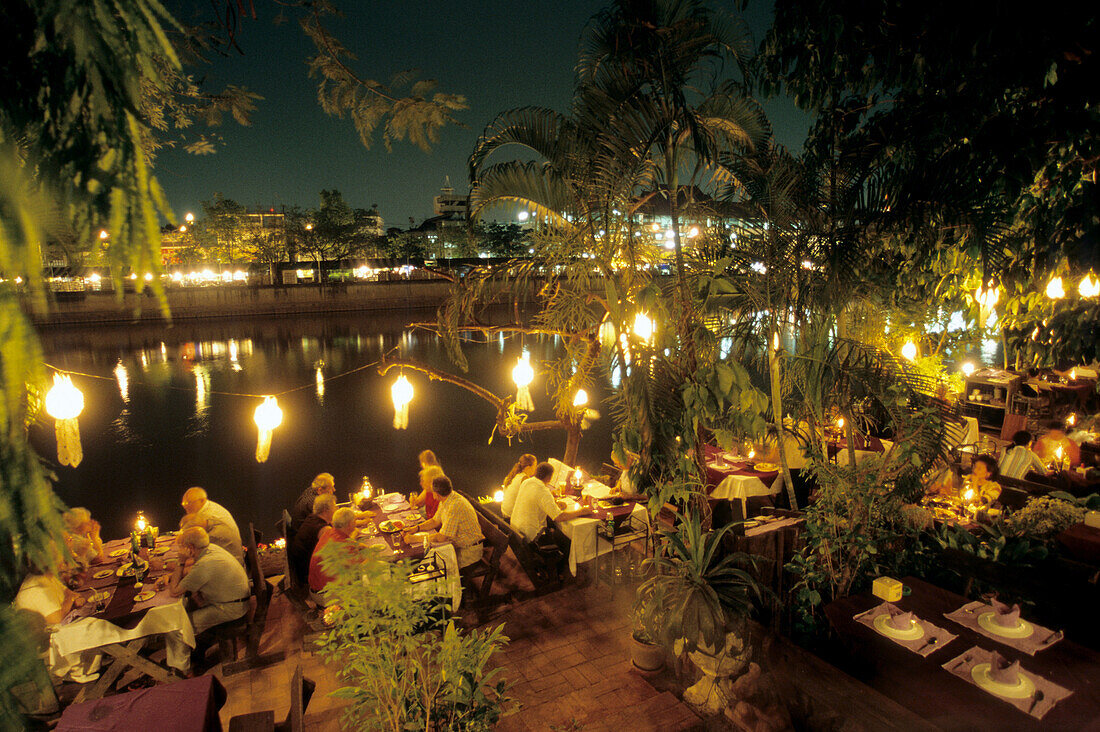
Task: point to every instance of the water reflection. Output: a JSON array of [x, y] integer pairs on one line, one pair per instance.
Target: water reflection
[[177, 423]]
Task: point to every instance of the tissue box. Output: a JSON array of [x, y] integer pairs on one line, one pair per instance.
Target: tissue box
[[887, 588]]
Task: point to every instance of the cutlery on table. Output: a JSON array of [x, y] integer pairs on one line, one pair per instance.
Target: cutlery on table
[[1035, 699]]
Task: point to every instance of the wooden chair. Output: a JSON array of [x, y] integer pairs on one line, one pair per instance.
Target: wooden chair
[[250, 628], [540, 569], [301, 691], [487, 568]]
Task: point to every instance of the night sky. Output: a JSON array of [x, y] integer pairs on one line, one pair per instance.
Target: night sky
[[500, 54]]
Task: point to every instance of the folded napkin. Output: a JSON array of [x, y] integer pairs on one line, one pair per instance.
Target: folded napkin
[[599, 491], [989, 670], [932, 639], [969, 616]]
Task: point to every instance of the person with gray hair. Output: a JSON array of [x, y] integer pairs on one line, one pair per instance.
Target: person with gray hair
[[220, 534], [82, 536], [195, 501], [342, 530], [218, 586], [301, 547]]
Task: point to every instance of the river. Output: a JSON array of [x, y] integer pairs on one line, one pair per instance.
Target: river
[[172, 416]]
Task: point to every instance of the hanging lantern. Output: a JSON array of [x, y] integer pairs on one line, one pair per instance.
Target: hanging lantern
[[909, 350], [1089, 286], [64, 403], [402, 392], [580, 398], [523, 374], [967, 368], [268, 416], [1055, 291], [643, 326]]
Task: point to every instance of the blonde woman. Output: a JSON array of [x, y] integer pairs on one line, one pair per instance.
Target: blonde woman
[[427, 496], [82, 536], [521, 471]]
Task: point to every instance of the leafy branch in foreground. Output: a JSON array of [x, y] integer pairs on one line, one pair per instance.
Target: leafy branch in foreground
[[417, 115]]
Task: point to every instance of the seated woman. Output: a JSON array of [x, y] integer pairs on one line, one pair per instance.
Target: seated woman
[[521, 471], [427, 497], [44, 593], [82, 536], [982, 473]]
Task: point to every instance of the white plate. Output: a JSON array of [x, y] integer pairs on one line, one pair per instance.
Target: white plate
[[1024, 629], [392, 507], [100, 596], [146, 595], [119, 552], [915, 632], [103, 573], [1022, 689]]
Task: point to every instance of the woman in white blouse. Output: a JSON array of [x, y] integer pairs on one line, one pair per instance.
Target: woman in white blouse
[[521, 471]]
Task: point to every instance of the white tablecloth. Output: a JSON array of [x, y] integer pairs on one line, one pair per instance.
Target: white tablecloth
[[584, 544], [450, 585], [171, 619], [744, 487]]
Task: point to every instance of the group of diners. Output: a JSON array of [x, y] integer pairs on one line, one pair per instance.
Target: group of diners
[[210, 573]]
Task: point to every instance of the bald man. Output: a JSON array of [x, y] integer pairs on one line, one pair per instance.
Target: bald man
[[225, 532]]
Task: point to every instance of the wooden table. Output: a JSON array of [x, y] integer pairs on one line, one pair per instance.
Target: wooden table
[[124, 615], [921, 685], [1081, 542], [186, 706]]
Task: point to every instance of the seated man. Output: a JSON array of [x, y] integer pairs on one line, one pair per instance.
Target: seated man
[[456, 521], [1019, 460], [535, 503], [303, 507], [305, 540], [219, 533], [196, 502], [1047, 447], [217, 583], [342, 529]]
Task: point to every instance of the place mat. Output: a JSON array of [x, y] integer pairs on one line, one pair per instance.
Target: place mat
[[1032, 694], [923, 639], [970, 616]]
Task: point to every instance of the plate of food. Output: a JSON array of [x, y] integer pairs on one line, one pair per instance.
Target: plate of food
[[103, 573], [126, 570], [162, 550], [100, 596], [395, 507], [146, 595], [391, 527], [766, 467], [116, 553]]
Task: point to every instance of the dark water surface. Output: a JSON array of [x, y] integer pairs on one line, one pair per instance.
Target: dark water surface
[[177, 425]]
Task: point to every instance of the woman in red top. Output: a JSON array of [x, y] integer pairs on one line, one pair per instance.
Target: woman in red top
[[343, 525], [427, 496]]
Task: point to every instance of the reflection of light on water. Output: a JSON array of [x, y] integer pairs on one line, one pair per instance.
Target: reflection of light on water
[[320, 376], [500, 342], [202, 388], [123, 381], [233, 355], [144, 362], [163, 351]]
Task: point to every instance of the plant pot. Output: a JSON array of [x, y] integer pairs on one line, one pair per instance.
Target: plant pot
[[646, 656]]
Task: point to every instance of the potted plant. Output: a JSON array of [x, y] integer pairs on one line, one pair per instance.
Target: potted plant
[[646, 653], [700, 598]]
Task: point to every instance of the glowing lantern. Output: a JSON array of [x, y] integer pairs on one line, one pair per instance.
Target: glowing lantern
[[499, 496], [64, 403], [1059, 455], [840, 423], [268, 416], [1089, 286], [141, 523], [523, 374], [1073, 374], [909, 350], [1071, 420], [967, 369], [987, 296], [1055, 291], [968, 495], [581, 398], [643, 326], [402, 393]]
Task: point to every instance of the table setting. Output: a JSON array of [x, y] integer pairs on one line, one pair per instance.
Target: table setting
[[740, 477], [905, 629], [1008, 681], [1002, 623]]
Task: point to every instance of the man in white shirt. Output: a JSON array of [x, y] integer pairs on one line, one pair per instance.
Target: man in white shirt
[[535, 503], [219, 522]]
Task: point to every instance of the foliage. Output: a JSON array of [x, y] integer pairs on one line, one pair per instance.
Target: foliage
[[993, 543], [404, 667], [856, 529], [699, 591], [341, 91], [1043, 518]]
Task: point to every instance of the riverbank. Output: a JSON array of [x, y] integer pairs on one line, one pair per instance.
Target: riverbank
[[228, 301]]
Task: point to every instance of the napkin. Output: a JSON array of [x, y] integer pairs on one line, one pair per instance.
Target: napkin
[[1007, 617], [1037, 704], [933, 639], [967, 616]]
